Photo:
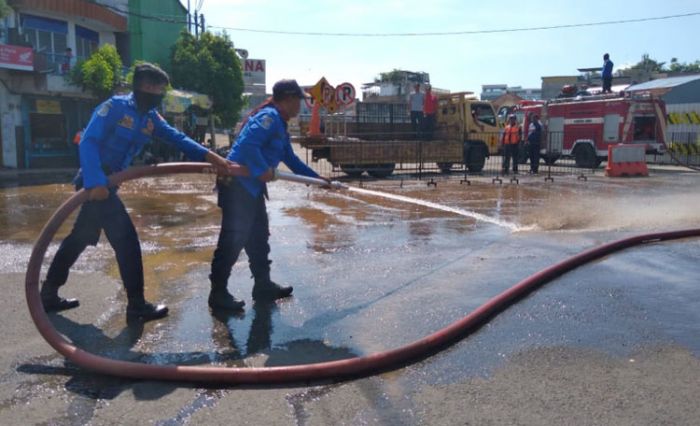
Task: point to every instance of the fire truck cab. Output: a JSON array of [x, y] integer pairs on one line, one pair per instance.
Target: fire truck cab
[[582, 128]]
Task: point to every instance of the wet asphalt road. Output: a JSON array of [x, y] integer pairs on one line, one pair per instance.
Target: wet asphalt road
[[614, 342]]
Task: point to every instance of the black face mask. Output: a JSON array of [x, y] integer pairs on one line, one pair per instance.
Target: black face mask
[[147, 101]]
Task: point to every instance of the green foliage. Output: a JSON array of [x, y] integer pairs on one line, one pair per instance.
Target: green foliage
[[209, 65], [4, 9], [648, 65], [394, 76], [683, 66], [101, 73]]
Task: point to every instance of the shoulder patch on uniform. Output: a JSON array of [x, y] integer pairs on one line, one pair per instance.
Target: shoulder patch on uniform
[[266, 122], [104, 109]]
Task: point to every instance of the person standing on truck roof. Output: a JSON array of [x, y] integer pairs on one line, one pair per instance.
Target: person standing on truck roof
[[262, 144], [534, 138], [430, 105], [607, 73], [510, 139], [118, 130], [415, 106]]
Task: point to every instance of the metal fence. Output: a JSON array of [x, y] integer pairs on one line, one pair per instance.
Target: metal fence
[[365, 158], [683, 149]]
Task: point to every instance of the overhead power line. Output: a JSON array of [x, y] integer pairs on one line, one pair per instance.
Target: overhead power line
[[456, 33]]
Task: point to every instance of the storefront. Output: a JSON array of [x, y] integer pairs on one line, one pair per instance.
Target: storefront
[[52, 124]]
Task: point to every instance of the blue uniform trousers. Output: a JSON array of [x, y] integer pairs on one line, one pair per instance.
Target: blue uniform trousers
[[244, 225], [109, 215]]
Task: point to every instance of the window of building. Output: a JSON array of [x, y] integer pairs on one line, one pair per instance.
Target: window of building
[[47, 36], [86, 41]]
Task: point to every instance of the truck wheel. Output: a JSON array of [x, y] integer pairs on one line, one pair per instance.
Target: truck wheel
[[445, 167], [381, 171], [352, 170], [476, 159], [585, 157]]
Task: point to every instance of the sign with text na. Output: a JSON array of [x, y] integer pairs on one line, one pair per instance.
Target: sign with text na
[[253, 72]]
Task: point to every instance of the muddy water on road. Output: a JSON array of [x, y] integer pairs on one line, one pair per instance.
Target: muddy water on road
[[370, 273]]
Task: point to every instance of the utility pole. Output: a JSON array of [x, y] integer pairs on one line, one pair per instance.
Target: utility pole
[[196, 25], [189, 17], [201, 18]]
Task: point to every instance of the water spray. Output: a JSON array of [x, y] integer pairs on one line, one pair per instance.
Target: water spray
[[330, 370]]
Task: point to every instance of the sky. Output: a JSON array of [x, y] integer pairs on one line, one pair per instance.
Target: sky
[[454, 62]]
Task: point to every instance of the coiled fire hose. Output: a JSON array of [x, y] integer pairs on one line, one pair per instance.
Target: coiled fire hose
[[333, 370]]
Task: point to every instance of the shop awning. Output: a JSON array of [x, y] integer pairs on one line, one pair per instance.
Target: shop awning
[[177, 101]]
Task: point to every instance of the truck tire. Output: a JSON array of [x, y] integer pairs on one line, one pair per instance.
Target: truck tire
[[476, 158], [381, 171], [352, 170], [585, 157], [445, 167]]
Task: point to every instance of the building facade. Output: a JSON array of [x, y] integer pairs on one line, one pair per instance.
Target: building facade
[[490, 92], [41, 41], [154, 27], [40, 112]]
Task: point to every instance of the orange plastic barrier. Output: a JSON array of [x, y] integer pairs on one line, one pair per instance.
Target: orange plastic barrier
[[626, 160]]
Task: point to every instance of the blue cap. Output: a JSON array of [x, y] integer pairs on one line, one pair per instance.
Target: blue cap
[[285, 88]]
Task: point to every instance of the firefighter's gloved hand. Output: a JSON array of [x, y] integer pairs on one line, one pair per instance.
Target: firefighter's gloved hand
[[268, 176], [98, 193]]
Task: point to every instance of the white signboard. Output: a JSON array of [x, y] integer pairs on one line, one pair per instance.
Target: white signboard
[[253, 72]]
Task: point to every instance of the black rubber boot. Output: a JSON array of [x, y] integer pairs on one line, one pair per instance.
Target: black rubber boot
[[53, 302], [266, 290], [221, 300], [144, 311]]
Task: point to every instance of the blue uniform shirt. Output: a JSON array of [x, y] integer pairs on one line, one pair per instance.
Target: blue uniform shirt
[[262, 144], [117, 132], [607, 69]]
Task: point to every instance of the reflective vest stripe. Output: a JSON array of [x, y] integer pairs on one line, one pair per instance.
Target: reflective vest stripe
[[511, 135]]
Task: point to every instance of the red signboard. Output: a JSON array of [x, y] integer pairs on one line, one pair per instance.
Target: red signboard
[[16, 57]]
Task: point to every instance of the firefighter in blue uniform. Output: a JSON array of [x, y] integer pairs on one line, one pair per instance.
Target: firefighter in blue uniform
[[118, 130], [262, 144]]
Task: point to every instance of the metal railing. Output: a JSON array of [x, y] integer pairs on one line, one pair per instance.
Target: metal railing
[[54, 63], [683, 148], [367, 156]]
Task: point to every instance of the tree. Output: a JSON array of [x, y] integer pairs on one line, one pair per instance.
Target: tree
[[209, 65], [648, 65], [394, 76], [101, 73], [692, 67], [4, 9]]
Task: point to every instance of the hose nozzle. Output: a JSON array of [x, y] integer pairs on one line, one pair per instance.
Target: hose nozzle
[[308, 180], [338, 185]]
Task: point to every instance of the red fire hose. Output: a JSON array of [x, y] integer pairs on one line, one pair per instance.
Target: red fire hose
[[353, 367]]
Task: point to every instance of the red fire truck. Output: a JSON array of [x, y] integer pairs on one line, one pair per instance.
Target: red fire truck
[[583, 127]]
